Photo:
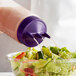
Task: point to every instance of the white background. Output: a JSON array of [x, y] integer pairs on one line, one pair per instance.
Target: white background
[[60, 17]]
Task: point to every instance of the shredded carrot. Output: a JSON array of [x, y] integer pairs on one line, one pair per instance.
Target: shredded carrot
[[29, 61], [22, 70]]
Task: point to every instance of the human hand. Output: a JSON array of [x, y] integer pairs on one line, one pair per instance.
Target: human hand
[[1, 32]]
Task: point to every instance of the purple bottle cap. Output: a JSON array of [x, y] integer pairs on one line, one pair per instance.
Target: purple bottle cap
[[32, 28]]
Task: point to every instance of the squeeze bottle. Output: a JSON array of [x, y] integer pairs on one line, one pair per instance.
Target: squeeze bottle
[[18, 23]]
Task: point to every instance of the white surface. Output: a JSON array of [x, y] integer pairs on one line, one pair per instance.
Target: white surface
[[60, 17], [7, 74]]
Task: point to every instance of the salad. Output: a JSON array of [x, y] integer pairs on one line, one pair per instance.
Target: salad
[[49, 61]]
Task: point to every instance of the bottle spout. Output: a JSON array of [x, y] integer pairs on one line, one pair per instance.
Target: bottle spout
[[29, 34], [38, 35], [46, 35]]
